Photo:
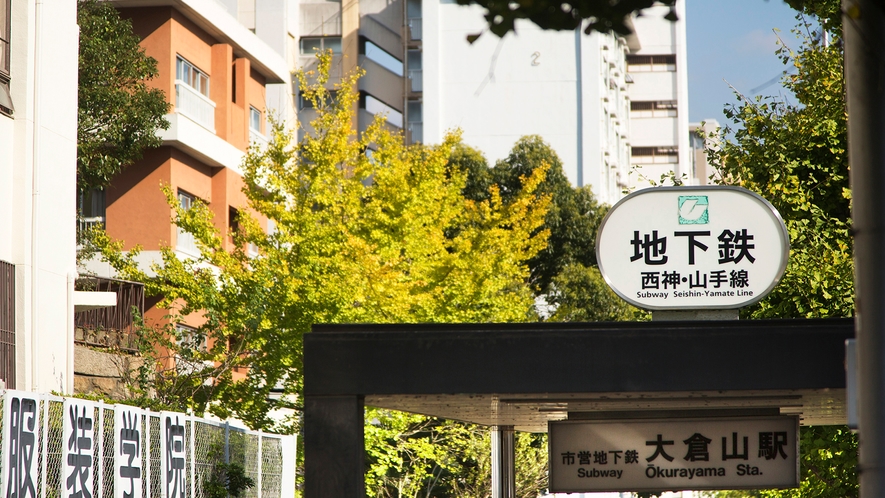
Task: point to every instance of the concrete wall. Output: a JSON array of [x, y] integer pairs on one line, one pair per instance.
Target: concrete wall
[[37, 189], [658, 36]]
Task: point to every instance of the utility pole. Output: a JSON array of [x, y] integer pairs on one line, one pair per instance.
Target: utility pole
[[864, 34]]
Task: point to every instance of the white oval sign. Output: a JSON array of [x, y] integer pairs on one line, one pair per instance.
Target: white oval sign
[[678, 248]]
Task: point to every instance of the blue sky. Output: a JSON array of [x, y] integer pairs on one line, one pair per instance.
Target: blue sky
[[733, 41]]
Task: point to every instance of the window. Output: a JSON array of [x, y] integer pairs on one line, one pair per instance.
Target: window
[[5, 27], [648, 155], [653, 109], [645, 63], [254, 119], [191, 76], [375, 106], [185, 241], [382, 58], [305, 103], [310, 45]]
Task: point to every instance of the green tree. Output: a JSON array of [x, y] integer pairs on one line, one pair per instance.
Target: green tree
[[118, 112], [796, 157], [359, 237], [574, 215]]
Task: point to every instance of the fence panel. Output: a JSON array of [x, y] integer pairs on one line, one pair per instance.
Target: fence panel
[[205, 444]]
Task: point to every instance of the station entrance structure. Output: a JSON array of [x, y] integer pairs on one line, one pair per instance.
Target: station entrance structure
[[524, 375]]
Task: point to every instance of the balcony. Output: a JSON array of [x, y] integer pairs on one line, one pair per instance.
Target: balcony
[[415, 29], [194, 105], [111, 327], [416, 80], [86, 224], [256, 139]]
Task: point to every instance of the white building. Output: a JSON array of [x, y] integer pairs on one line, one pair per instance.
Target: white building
[[567, 87], [659, 98], [38, 148], [594, 98]]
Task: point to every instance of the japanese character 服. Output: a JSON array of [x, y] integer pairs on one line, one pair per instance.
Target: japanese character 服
[[22, 439], [568, 458], [130, 446], [651, 280], [738, 241], [735, 452], [739, 278], [631, 456], [771, 444], [697, 448], [584, 457], [650, 248], [600, 457], [659, 448], [693, 243], [174, 458], [80, 452]]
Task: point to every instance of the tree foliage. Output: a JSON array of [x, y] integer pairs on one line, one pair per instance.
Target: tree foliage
[[593, 15], [574, 215], [382, 236], [411, 456], [795, 155], [118, 112]]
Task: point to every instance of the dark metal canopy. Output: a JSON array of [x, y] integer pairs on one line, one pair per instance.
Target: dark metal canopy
[[527, 374]]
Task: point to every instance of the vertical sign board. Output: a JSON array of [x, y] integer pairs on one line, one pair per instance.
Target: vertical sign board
[[21, 423], [684, 248], [128, 477], [685, 454], [172, 447], [78, 448]]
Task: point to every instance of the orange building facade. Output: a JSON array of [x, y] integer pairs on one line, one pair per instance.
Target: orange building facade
[[215, 73]]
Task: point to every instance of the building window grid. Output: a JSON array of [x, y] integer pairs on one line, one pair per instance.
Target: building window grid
[[309, 45], [653, 109], [5, 56], [254, 120], [641, 63], [191, 76], [648, 155]]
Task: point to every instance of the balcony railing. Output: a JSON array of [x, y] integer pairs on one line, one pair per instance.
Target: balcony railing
[[415, 29], [194, 105], [7, 324], [257, 139], [186, 243], [85, 224], [113, 327], [416, 79]]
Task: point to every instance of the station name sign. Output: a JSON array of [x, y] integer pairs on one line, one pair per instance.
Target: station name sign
[[678, 248], [674, 454]]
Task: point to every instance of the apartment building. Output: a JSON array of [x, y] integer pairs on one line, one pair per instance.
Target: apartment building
[[581, 93], [659, 98], [368, 33], [221, 80]]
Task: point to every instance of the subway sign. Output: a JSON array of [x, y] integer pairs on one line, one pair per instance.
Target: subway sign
[[674, 454], [682, 248]]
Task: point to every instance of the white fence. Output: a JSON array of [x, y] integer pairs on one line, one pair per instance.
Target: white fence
[[53, 446]]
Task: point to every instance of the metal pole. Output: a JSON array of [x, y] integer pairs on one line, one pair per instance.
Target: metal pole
[[864, 34], [503, 462]]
